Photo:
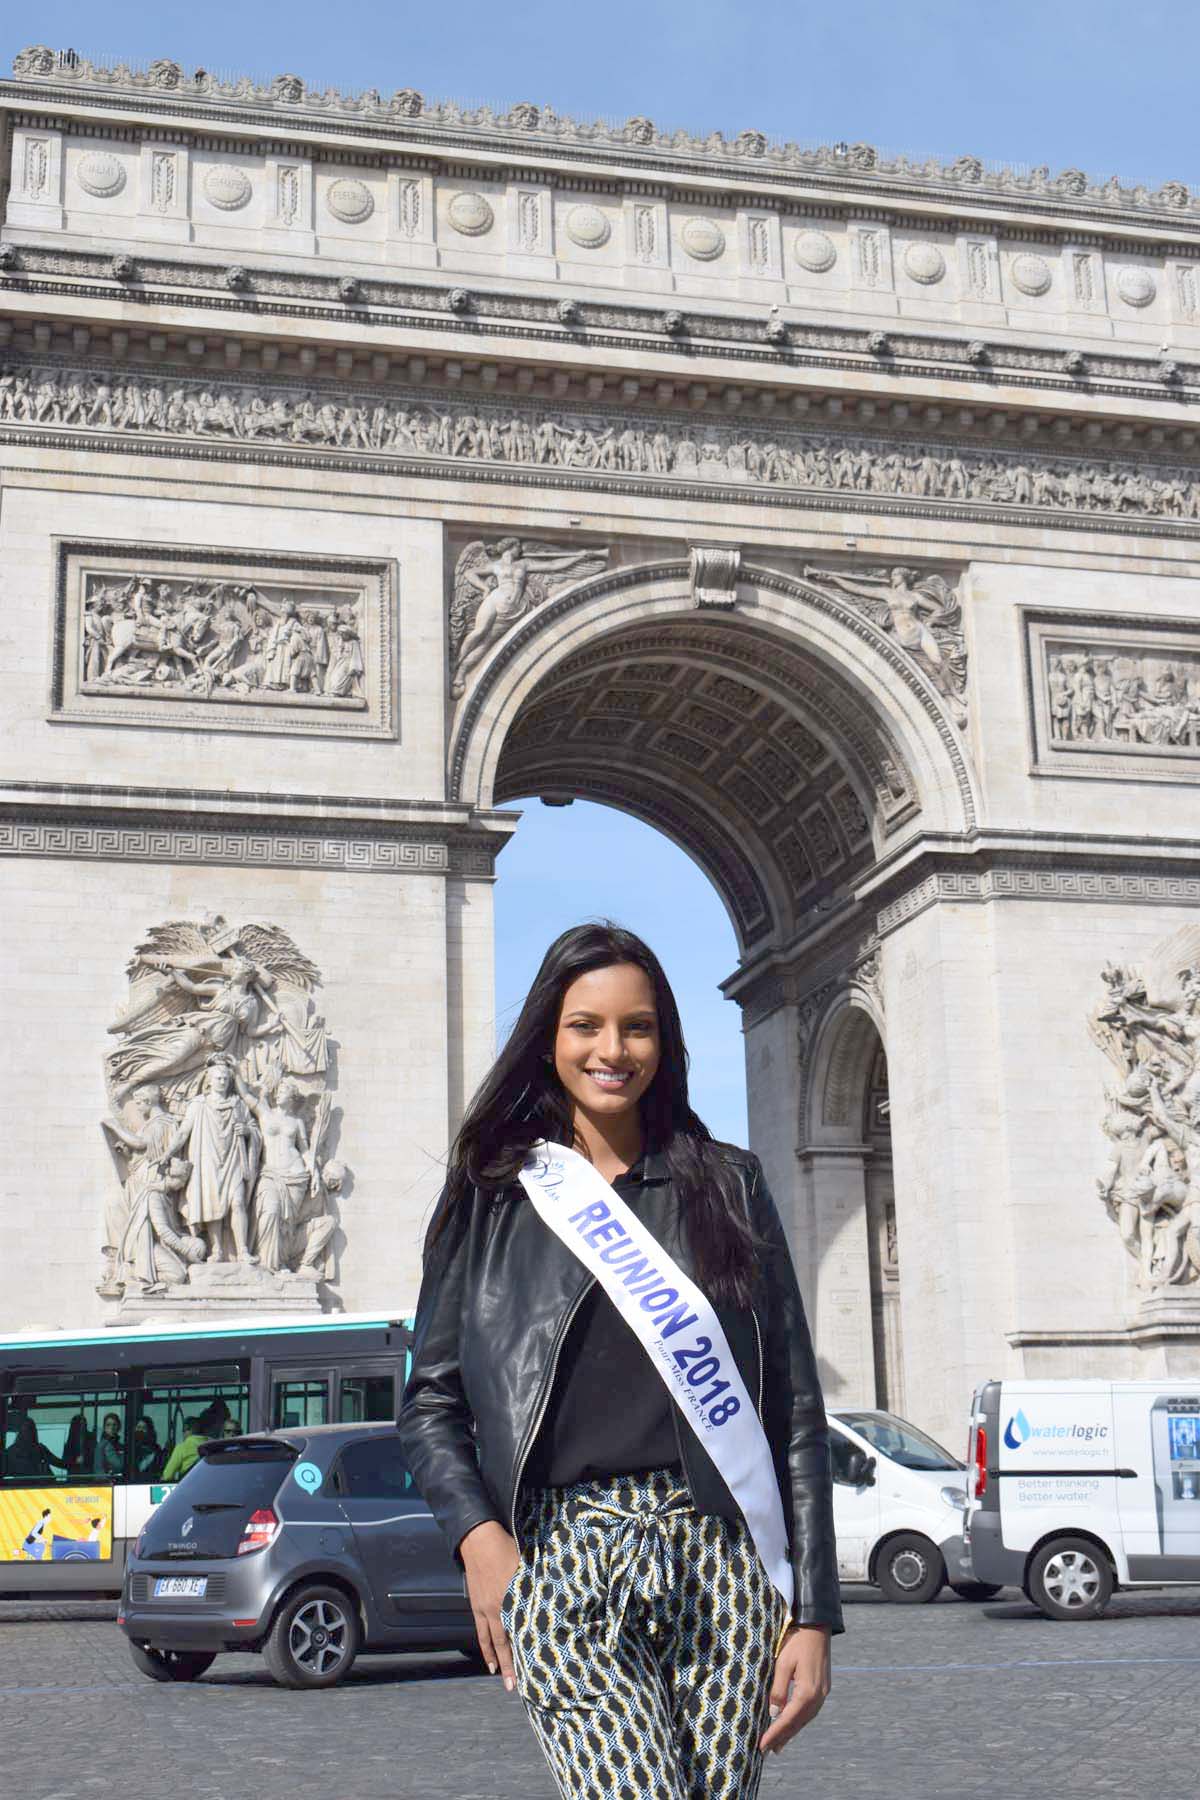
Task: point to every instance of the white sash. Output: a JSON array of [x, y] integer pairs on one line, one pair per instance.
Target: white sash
[[677, 1328]]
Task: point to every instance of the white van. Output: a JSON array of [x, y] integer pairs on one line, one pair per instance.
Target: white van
[[898, 1501], [1080, 1487]]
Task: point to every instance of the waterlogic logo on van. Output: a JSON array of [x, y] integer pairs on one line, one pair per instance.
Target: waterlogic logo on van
[[1019, 1432], [1016, 1431]]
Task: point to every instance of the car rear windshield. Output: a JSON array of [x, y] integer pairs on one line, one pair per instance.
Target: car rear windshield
[[896, 1438], [241, 1476]]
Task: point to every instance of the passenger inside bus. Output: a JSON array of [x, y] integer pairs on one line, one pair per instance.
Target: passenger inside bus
[[27, 1458], [79, 1451], [186, 1453], [148, 1453], [110, 1451]]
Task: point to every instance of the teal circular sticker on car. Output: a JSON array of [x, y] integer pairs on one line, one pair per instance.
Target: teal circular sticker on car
[[307, 1476]]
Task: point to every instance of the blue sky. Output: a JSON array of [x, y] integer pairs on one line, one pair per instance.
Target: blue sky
[[1104, 86]]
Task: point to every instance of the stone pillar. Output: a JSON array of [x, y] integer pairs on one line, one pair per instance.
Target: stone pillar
[[840, 1304]]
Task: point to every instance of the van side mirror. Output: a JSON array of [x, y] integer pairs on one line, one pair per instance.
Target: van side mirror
[[860, 1469]]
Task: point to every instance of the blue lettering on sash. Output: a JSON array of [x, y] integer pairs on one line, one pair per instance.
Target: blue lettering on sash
[[654, 1302], [677, 1320], [601, 1233], [598, 1209]]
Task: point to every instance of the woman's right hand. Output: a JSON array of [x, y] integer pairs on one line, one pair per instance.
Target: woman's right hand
[[491, 1559]]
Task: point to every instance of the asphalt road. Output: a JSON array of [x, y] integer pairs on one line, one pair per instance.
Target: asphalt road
[[943, 1700]]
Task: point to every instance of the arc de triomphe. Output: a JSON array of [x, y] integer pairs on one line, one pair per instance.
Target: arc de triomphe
[[370, 464]]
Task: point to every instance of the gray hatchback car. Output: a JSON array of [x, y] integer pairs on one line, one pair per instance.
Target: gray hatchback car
[[309, 1545]]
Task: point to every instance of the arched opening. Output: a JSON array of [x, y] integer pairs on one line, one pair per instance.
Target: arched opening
[[849, 1205], [786, 744]]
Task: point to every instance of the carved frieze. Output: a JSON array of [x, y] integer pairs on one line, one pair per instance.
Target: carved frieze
[[351, 422], [1112, 697], [169, 636], [219, 1120]]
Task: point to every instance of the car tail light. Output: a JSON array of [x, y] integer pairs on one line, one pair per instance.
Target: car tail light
[[260, 1530], [979, 1474]]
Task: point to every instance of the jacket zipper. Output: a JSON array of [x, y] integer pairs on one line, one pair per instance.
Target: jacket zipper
[[544, 1398], [758, 1337]]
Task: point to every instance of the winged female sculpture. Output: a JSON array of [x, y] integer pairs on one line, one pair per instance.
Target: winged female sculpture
[[922, 613], [497, 584]]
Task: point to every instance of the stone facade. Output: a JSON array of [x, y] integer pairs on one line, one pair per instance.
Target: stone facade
[[368, 465]]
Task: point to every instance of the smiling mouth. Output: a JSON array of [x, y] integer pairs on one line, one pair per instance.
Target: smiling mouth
[[611, 1080]]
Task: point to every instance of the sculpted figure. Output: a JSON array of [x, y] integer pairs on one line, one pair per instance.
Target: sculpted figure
[[292, 1226], [237, 1000], [156, 1251], [497, 584], [924, 616], [1151, 1187], [218, 1134], [137, 1151]]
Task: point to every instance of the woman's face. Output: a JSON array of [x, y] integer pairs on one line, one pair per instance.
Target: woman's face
[[607, 1047]]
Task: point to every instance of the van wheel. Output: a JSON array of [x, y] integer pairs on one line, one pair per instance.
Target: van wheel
[[314, 1639], [976, 1590], [1069, 1578], [910, 1570], [171, 1665]]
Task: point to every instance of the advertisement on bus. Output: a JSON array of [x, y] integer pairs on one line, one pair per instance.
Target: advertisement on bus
[[56, 1524]]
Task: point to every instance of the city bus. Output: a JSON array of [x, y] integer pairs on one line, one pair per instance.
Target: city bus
[[95, 1425]]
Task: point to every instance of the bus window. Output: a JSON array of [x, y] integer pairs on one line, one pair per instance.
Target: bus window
[[366, 1398], [65, 1435], [167, 1411], [300, 1402]]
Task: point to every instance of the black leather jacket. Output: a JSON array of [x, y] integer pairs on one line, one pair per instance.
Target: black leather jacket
[[498, 1296]]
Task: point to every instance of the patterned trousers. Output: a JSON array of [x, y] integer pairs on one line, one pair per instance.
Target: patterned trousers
[[643, 1637]]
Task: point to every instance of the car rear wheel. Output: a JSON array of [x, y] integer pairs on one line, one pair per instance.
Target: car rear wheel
[[314, 1639], [1069, 1578], [976, 1590], [171, 1665], [910, 1570]]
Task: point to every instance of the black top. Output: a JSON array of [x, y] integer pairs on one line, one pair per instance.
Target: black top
[[609, 1413]]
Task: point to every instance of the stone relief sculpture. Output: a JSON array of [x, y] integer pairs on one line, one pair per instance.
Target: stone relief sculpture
[[223, 641], [1150, 1186], [923, 614], [497, 584], [220, 1110], [1101, 696], [340, 421]]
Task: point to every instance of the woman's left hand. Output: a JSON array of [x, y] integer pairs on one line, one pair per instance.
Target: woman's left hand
[[800, 1686]]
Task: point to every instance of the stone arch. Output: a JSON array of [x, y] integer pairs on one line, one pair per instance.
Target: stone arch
[[784, 742], [846, 1172]]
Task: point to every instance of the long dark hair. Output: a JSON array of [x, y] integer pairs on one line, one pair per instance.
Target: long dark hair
[[522, 1101]]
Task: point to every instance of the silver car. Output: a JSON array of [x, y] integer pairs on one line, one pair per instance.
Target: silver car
[[309, 1545]]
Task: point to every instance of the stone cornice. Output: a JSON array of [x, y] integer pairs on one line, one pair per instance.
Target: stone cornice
[[268, 296], [531, 134], [161, 826], [974, 868]]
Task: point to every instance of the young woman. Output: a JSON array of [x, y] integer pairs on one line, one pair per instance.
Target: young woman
[[617, 1583]]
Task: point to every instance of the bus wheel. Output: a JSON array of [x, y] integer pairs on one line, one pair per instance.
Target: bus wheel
[[910, 1570], [171, 1665], [1069, 1578], [314, 1639]]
